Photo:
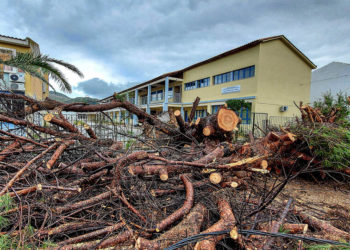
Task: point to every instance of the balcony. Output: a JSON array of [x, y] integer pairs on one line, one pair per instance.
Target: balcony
[[176, 98], [159, 98]]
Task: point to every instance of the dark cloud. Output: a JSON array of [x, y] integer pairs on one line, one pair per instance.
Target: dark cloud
[[136, 40], [99, 88]]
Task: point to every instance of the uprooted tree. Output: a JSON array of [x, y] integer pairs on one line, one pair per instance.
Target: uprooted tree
[[80, 191]]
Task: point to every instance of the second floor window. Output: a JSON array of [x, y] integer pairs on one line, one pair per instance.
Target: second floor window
[[235, 75], [190, 85], [170, 93], [205, 82], [143, 99], [157, 95]]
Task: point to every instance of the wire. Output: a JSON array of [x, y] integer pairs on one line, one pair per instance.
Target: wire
[[199, 237]]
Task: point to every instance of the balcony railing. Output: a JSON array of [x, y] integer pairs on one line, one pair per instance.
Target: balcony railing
[[175, 98]]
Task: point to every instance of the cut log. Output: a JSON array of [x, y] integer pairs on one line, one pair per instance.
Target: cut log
[[89, 131], [208, 130], [61, 123], [227, 222], [57, 154], [215, 178], [180, 121], [227, 119], [193, 110], [323, 226]]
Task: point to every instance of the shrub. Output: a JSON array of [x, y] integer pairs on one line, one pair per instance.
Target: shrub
[[329, 143], [328, 102], [236, 105]]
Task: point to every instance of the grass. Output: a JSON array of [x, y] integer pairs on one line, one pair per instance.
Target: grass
[[6, 203], [8, 242], [325, 247]]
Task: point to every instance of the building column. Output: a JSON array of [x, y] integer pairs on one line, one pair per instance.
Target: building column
[[127, 112], [182, 112], [120, 115], [135, 120], [148, 110], [209, 109], [165, 103]]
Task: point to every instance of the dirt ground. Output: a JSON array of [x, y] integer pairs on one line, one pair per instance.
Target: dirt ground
[[327, 200]]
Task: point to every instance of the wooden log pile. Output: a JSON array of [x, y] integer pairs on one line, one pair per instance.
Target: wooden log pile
[[82, 192]]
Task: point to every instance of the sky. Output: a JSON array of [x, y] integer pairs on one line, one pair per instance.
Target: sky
[[117, 44]]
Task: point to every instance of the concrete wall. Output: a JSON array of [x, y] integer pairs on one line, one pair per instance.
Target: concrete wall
[[334, 77]]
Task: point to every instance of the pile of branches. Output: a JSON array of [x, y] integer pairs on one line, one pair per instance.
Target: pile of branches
[[77, 191]]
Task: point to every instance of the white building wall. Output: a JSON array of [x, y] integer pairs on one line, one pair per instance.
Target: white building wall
[[333, 77]]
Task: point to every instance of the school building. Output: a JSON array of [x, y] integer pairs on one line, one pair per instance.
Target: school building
[[270, 73]]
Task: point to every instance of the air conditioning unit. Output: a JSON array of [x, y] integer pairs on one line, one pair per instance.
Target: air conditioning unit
[[17, 86], [18, 77], [283, 108]]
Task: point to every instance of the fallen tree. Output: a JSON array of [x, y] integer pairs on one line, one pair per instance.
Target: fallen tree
[[80, 191]]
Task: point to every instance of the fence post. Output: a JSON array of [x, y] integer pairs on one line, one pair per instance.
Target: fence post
[[253, 128]]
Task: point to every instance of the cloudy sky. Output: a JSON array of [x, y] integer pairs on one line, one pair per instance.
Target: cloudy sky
[[119, 43]]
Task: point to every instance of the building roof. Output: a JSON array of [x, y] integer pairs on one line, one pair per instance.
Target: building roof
[[15, 41], [227, 53], [27, 42]]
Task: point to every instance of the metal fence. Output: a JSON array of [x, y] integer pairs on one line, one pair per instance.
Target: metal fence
[[260, 123], [108, 127]]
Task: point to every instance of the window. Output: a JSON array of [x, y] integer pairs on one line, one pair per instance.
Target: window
[[157, 95], [215, 108], [197, 84], [199, 113], [170, 93], [154, 96], [245, 114], [143, 99], [203, 83], [235, 75], [190, 85]]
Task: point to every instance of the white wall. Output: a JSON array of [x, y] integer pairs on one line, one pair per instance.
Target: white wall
[[333, 77]]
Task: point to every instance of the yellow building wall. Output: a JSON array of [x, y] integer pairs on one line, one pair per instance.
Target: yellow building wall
[[213, 92], [283, 77], [33, 86]]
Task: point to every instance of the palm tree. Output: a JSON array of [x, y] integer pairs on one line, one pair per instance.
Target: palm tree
[[40, 66]]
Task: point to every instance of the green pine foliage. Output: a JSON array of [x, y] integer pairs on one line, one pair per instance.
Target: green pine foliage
[[329, 143], [329, 102]]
